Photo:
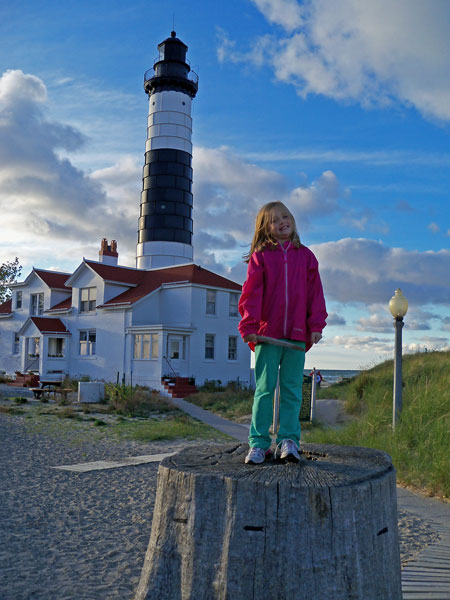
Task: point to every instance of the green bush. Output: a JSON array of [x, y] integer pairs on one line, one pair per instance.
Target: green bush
[[211, 385], [20, 400], [135, 401], [229, 403]]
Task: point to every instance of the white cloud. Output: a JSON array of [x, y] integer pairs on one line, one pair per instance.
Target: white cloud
[[434, 227], [374, 53], [361, 343], [43, 196], [380, 323], [229, 192], [320, 197], [380, 319], [362, 270], [287, 13], [428, 343], [12, 84], [335, 319], [446, 323]]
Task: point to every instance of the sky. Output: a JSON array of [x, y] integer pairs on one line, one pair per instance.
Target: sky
[[339, 108]]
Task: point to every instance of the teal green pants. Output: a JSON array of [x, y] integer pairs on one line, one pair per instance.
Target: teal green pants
[[291, 362]]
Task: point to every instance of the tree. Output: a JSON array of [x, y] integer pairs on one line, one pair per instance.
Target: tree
[[9, 272]]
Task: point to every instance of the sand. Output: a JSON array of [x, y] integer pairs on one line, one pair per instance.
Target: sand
[[83, 536]]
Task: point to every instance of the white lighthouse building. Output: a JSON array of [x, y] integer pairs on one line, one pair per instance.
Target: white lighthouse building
[[165, 317], [165, 223]]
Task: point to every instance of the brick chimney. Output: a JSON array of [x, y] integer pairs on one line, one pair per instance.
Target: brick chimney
[[108, 252]]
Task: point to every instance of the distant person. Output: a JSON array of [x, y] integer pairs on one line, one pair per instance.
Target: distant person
[[317, 376], [282, 297]]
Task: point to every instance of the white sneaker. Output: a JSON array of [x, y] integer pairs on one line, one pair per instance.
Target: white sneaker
[[288, 451], [256, 456]]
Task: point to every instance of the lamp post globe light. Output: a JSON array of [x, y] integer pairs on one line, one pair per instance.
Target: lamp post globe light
[[398, 306]]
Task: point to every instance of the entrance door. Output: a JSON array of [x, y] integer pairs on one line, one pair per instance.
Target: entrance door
[[176, 353], [32, 353]]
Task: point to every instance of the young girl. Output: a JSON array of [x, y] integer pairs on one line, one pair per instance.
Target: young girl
[[282, 297]]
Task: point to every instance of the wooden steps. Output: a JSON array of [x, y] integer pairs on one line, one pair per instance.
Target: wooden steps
[[178, 387], [428, 577], [25, 380]]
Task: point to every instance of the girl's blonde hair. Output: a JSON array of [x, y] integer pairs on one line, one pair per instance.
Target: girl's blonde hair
[[262, 238]]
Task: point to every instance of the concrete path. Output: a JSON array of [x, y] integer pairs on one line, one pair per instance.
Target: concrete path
[[234, 430]]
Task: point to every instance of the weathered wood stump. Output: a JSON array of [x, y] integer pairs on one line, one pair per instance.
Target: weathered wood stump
[[323, 529]]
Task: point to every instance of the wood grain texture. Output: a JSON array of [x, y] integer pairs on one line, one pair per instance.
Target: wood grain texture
[[323, 529]]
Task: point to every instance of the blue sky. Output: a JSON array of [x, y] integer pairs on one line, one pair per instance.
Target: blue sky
[[339, 108]]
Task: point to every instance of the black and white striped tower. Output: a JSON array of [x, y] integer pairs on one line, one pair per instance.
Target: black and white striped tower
[[165, 222]]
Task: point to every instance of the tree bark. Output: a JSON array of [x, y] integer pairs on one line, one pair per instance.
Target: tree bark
[[322, 529]]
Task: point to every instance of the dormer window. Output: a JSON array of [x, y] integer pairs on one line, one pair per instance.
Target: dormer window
[[37, 304], [88, 298]]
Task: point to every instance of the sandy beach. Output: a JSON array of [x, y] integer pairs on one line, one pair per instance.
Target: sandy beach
[[83, 536]]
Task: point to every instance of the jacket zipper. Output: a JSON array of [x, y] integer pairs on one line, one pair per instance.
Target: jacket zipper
[[285, 250]]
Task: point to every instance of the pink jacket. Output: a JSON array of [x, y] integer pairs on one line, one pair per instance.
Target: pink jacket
[[282, 296]]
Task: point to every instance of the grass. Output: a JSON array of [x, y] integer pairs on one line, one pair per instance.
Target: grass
[[173, 427], [229, 403], [420, 445], [133, 413]]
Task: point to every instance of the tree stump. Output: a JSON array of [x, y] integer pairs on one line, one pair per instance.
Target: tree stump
[[322, 529]]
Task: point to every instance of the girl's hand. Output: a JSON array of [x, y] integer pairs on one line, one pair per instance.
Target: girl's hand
[[316, 336], [250, 338]]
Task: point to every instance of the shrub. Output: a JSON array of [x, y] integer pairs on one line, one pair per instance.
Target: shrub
[[211, 385], [20, 400], [135, 401]]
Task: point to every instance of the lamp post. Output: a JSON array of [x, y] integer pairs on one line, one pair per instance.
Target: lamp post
[[398, 305]]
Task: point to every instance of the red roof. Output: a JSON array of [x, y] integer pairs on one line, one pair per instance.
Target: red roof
[[6, 307], [148, 281], [52, 278], [64, 305], [49, 325], [118, 274]]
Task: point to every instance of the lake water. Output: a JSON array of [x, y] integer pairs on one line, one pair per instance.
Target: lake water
[[331, 376]]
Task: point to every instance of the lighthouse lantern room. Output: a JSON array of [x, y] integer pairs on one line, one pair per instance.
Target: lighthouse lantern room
[[165, 222]]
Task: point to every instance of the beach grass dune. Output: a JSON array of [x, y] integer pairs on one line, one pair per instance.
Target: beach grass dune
[[420, 445]]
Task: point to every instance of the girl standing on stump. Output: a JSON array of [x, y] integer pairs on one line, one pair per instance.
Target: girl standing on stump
[[282, 297]]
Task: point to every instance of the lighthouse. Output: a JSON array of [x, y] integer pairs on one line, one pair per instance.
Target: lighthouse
[[165, 221]]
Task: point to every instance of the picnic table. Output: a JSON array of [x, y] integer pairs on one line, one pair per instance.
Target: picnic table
[[48, 388]]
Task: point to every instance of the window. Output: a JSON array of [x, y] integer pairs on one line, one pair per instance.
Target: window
[[154, 352], [18, 300], [232, 347], [209, 346], [56, 347], [87, 342], [16, 344], [234, 299], [145, 346], [37, 304], [88, 298], [33, 347], [210, 302]]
